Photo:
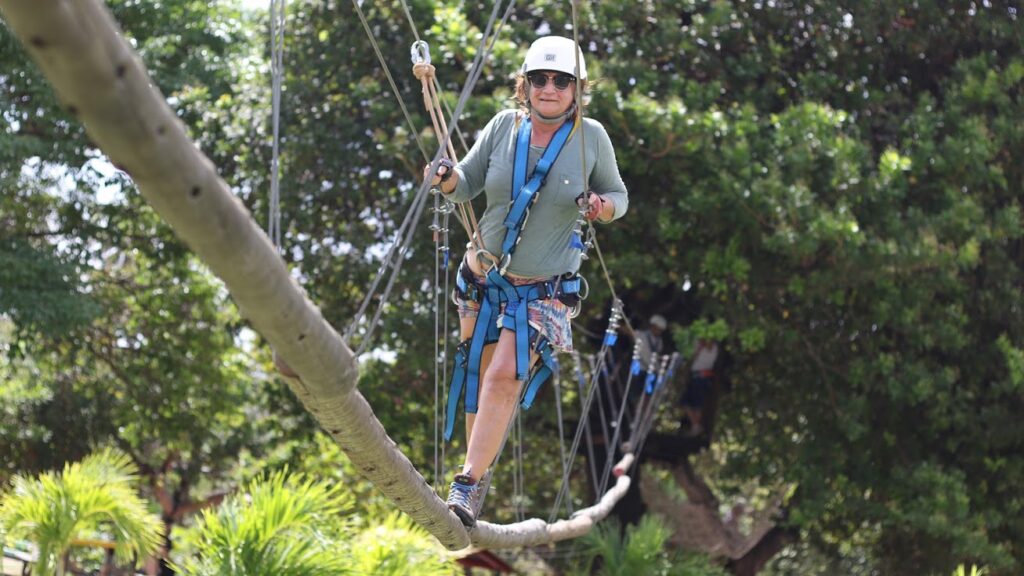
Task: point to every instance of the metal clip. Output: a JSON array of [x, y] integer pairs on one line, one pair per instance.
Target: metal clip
[[503, 265], [420, 52], [446, 207]]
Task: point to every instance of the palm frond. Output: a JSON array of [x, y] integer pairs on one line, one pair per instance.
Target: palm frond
[[283, 524], [94, 498], [396, 547]]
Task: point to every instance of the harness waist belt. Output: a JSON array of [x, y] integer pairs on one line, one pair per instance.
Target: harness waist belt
[[476, 292]]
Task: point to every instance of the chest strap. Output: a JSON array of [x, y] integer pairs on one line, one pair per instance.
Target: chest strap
[[524, 193]]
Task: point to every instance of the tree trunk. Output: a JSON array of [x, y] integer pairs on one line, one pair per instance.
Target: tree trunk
[[699, 526], [771, 544], [101, 80]]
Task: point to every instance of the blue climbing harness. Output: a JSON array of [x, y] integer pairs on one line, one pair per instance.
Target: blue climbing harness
[[497, 290]]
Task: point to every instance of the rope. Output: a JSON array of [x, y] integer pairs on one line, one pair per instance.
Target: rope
[[440, 356], [623, 406], [391, 80], [613, 326], [277, 22], [520, 482], [579, 97], [424, 71], [485, 48], [437, 87], [584, 414], [591, 233], [561, 432], [601, 410], [397, 252]]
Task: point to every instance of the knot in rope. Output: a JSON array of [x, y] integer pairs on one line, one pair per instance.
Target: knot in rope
[[423, 70]]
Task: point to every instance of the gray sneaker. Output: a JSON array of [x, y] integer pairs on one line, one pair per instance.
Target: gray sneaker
[[462, 497]]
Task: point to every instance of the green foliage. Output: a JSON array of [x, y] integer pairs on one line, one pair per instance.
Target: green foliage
[[94, 498], [640, 550], [961, 570], [39, 292], [288, 524], [395, 547], [283, 524]]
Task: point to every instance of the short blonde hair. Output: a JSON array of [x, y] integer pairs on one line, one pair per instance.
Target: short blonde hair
[[522, 93]]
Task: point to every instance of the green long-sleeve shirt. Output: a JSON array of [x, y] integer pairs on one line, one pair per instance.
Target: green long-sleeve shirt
[[545, 248]]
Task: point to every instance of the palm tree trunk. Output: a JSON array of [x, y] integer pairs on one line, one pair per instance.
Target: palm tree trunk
[[101, 80]]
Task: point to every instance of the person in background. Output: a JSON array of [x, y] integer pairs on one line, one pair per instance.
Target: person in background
[[650, 341], [702, 378]]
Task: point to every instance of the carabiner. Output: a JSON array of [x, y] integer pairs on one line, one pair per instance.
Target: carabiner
[[446, 207], [503, 265], [583, 283], [485, 259], [420, 52]]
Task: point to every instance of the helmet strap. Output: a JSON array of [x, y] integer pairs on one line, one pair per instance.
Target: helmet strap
[[556, 119]]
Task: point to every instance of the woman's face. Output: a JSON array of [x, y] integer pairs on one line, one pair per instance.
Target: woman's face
[[556, 94]]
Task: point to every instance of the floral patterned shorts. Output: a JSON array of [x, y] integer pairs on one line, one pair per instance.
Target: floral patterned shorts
[[550, 317]]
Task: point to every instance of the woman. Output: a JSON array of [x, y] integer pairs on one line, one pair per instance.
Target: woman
[[523, 281]]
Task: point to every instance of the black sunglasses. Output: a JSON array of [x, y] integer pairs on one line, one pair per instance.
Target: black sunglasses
[[561, 81]]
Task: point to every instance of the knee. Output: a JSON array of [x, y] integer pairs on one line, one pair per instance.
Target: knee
[[501, 377]]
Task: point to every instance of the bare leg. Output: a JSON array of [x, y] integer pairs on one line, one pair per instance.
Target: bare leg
[[498, 397]]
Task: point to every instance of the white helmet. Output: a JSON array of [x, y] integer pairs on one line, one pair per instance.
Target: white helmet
[[554, 53]]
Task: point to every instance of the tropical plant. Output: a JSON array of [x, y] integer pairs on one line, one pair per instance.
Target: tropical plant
[[91, 499], [288, 524], [639, 551], [396, 547], [283, 525]]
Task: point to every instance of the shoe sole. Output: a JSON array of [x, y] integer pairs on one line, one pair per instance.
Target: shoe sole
[[467, 519]]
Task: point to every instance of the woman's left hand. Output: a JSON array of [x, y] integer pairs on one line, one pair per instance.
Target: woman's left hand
[[597, 207]]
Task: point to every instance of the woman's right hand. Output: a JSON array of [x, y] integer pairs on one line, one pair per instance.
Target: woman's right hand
[[445, 169]]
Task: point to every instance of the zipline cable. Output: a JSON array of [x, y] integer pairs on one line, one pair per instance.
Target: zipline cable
[[277, 23]]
